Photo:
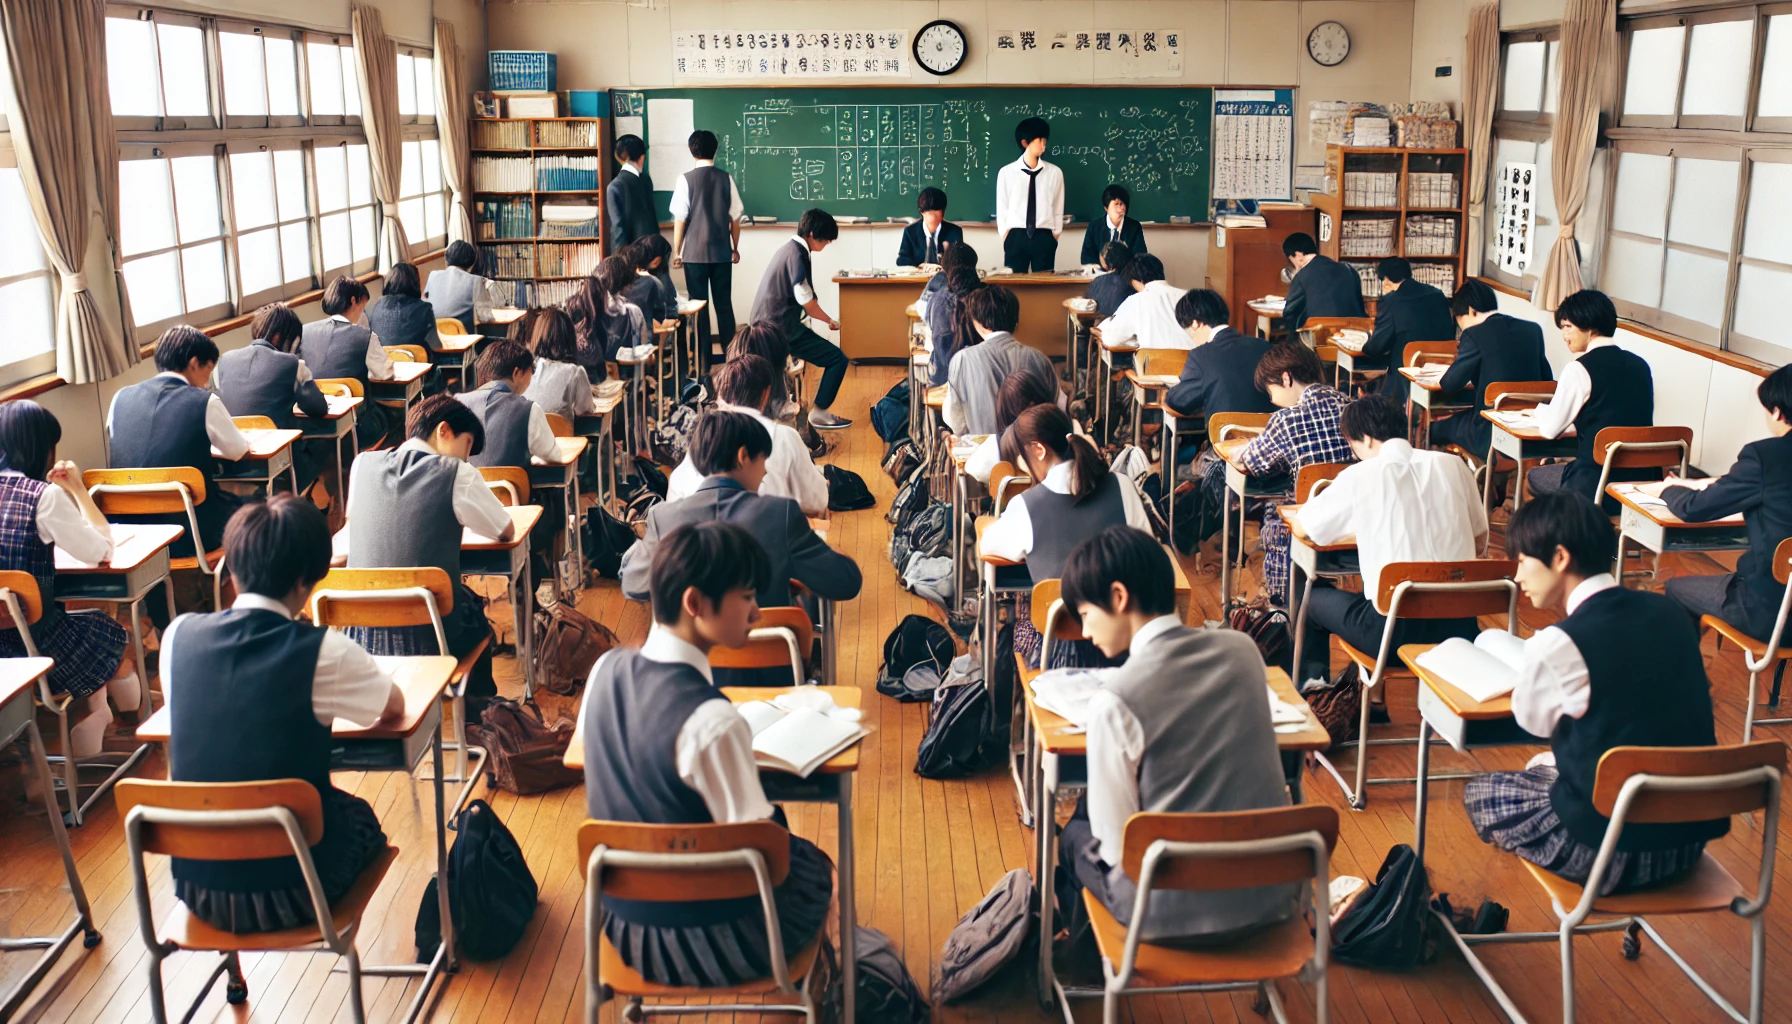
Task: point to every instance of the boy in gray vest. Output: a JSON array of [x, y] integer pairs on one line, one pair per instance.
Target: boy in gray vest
[[786, 293], [456, 290], [706, 211], [517, 432], [982, 363], [1182, 727], [341, 346]]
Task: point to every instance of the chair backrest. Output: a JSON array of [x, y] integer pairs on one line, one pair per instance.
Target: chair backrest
[[1418, 353], [1664, 805], [560, 425], [341, 386], [449, 325], [381, 597], [1449, 590], [1051, 617], [1514, 394], [782, 638], [1005, 482], [1782, 561], [670, 883], [1307, 481], [507, 481], [408, 353], [253, 422], [151, 491], [22, 586], [1642, 447], [1159, 362], [1221, 424], [1242, 869], [222, 841]]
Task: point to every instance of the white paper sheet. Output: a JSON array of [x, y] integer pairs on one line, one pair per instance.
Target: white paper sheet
[[631, 126], [668, 152]]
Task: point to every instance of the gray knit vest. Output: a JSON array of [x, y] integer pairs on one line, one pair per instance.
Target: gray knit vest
[[982, 369], [706, 235], [332, 348], [1060, 523], [505, 416], [402, 512], [259, 380]]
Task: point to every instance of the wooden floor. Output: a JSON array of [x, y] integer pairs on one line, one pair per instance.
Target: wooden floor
[[927, 852]]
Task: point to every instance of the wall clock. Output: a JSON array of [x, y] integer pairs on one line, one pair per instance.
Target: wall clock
[[1328, 44], [940, 47]]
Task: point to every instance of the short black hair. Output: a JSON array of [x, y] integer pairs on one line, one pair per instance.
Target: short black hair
[[1376, 417], [1204, 306], [1030, 129], [435, 410], [959, 254], [29, 434], [1394, 269], [1144, 268], [715, 557], [1299, 242], [461, 254], [1775, 392], [819, 225], [615, 273], [1114, 256], [276, 324], [1567, 519], [931, 199], [552, 336], [995, 307], [1473, 296], [275, 545], [1291, 357], [1589, 310], [636, 253], [655, 245], [719, 437], [1124, 555], [629, 147], [745, 381], [402, 280], [503, 359], [180, 345], [1113, 192], [702, 144], [342, 293]]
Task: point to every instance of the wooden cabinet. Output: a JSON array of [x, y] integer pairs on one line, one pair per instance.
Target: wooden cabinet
[[1382, 202], [1247, 263]]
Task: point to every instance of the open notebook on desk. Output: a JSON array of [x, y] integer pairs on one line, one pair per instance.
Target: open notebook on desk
[[797, 733], [1065, 692], [1520, 418], [1485, 669]]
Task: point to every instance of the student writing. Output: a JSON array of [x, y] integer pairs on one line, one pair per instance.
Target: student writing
[[943, 308], [340, 346], [1147, 318], [656, 297], [456, 290], [400, 316], [265, 378], [560, 385], [986, 358], [1321, 287], [1410, 310], [1019, 392], [767, 342], [1493, 347], [1111, 287], [786, 293], [1219, 374], [604, 322], [927, 238], [1604, 386], [1114, 226], [745, 385]]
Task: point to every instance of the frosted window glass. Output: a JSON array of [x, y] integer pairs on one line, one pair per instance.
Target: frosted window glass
[[202, 273], [1717, 67], [258, 257], [25, 310], [245, 81], [283, 76], [1524, 77], [435, 214], [1704, 203], [351, 83], [334, 232], [1694, 287], [155, 288], [360, 177], [426, 87], [1653, 76], [407, 86], [1552, 86], [332, 177], [131, 68], [145, 207], [410, 172], [361, 223], [1633, 270], [1764, 233], [25, 254], [1761, 306], [1776, 70], [326, 77], [196, 197], [183, 70], [1640, 205], [410, 214], [252, 186], [289, 175], [295, 251], [430, 152]]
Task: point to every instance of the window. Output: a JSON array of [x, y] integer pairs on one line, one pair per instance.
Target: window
[[416, 86], [173, 236], [273, 231], [1530, 84], [345, 220], [335, 89], [27, 297], [261, 76], [158, 71], [422, 201]]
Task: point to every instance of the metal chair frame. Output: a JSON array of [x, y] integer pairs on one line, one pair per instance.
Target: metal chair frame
[[215, 571]]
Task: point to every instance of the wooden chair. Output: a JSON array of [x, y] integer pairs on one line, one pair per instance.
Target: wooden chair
[[560, 425], [1147, 394], [1418, 590], [406, 597], [1223, 426], [1757, 655], [1210, 852], [238, 821], [408, 353], [680, 863], [1004, 483], [1638, 448], [1317, 333], [1509, 394], [168, 490], [450, 325], [1056, 624], [347, 386], [1309, 481], [510, 482], [21, 607], [1661, 785], [783, 637]]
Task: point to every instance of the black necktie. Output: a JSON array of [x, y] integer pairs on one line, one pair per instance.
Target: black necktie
[[931, 254], [1032, 199]]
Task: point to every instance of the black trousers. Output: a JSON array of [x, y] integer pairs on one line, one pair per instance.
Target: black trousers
[[1356, 621], [714, 283], [816, 350], [1023, 254]]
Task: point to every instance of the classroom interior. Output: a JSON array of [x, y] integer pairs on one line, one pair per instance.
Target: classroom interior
[[1682, 216]]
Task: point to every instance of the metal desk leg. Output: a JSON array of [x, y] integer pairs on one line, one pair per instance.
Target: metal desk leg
[[444, 960], [1418, 814], [958, 505], [849, 968], [525, 633], [829, 641], [1300, 619], [576, 535], [1045, 823], [1226, 553]]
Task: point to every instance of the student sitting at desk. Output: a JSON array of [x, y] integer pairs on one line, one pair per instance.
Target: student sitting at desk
[[1114, 226], [1147, 318], [1621, 669], [787, 295], [516, 429], [252, 693], [1077, 497], [1493, 347], [945, 315], [986, 359], [172, 420], [43, 506], [657, 299], [1605, 386], [731, 450], [663, 746], [1182, 728], [560, 385], [1402, 505], [745, 384], [1321, 287], [341, 346], [1019, 392], [1410, 310], [926, 239], [1219, 374], [406, 507], [1111, 287], [604, 322], [400, 316], [1759, 486], [265, 378], [767, 342], [456, 291]]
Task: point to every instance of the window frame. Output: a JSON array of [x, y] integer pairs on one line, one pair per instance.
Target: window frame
[[1745, 344], [286, 289], [1551, 37], [1721, 122], [355, 267], [226, 222], [345, 51], [15, 370], [301, 72], [213, 86]]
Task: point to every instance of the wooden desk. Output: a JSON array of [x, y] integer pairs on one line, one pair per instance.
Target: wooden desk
[[403, 387], [874, 324], [633, 372], [1269, 316], [1518, 443], [139, 563], [563, 475], [499, 324], [1238, 484], [456, 352], [337, 423], [689, 310], [1423, 393], [1312, 561], [599, 426], [1077, 323], [269, 455], [1659, 530]]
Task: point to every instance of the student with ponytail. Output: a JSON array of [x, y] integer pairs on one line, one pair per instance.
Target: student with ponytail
[[1076, 499]]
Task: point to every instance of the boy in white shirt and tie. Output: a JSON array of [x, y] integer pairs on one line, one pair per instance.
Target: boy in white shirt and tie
[[1030, 202]]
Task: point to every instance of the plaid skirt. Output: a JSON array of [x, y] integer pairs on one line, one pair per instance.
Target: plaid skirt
[[1511, 810], [87, 646], [1075, 654]]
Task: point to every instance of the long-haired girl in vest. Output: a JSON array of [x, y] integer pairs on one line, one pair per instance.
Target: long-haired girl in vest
[[606, 323]]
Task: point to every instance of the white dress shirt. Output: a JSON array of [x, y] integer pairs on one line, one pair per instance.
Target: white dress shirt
[[1147, 319], [681, 197], [60, 522], [1116, 747], [1573, 389], [1114, 227], [1554, 680], [803, 293], [789, 471], [219, 427], [475, 506], [1011, 197], [984, 458], [561, 388], [379, 364], [1403, 506], [542, 445], [713, 751], [1011, 536], [347, 683]]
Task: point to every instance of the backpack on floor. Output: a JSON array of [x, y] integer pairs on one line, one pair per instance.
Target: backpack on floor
[[568, 642], [672, 437], [1269, 629], [911, 497], [1389, 927], [965, 732], [887, 993], [889, 417], [987, 938], [846, 490], [929, 577], [491, 894], [900, 459], [605, 540], [647, 476], [523, 754], [915, 642]]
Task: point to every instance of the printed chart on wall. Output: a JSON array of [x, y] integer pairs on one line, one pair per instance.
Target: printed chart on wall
[[1517, 226], [1253, 144]]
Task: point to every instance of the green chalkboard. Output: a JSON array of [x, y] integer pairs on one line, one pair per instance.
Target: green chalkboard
[[868, 151]]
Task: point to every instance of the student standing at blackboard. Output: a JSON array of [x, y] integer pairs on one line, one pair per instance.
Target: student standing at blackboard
[[629, 196], [706, 211], [1030, 202], [1116, 226], [924, 240]]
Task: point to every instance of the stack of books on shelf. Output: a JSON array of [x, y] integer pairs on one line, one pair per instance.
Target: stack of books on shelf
[[500, 135], [511, 261], [1365, 273], [1424, 126], [555, 293], [565, 173], [1441, 276], [1371, 188], [502, 174], [512, 294], [563, 221], [1433, 191], [1366, 236], [1430, 236], [498, 219], [566, 134], [568, 260]]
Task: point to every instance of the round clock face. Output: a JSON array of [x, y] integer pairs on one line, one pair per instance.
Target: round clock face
[[940, 47], [1328, 44]]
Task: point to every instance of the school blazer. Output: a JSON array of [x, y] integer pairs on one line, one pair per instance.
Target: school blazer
[[1415, 311], [1759, 486], [1324, 287], [628, 200], [1500, 348], [1095, 238], [913, 250]]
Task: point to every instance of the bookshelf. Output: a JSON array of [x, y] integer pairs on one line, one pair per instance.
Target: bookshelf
[[521, 165], [1384, 202]]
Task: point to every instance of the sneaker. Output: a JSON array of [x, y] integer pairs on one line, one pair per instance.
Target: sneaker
[[822, 419]]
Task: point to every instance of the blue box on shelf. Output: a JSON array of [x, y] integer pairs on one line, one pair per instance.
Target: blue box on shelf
[[526, 70], [587, 103]]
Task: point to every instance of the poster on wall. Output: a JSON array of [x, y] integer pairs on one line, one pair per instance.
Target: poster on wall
[[1253, 143], [784, 54], [1109, 53], [1517, 228]]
